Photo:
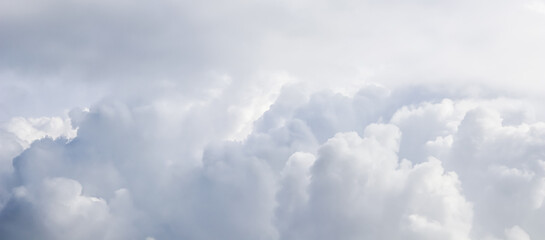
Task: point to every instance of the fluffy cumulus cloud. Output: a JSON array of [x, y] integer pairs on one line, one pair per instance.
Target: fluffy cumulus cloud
[[316, 166], [273, 120]]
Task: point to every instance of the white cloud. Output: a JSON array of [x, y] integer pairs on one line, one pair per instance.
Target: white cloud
[[360, 189], [258, 120], [70, 53], [516, 233], [536, 6], [54, 209], [28, 130], [312, 167]]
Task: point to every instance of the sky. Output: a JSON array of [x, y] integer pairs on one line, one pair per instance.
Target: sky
[[272, 120]]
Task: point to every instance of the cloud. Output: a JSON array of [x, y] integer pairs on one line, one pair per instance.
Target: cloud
[[18, 134], [449, 169], [70, 53], [516, 233], [271, 120], [359, 186], [82, 217], [536, 6], [32, 129]]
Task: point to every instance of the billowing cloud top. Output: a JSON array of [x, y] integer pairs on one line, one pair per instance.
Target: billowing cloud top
[[272, 120]]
